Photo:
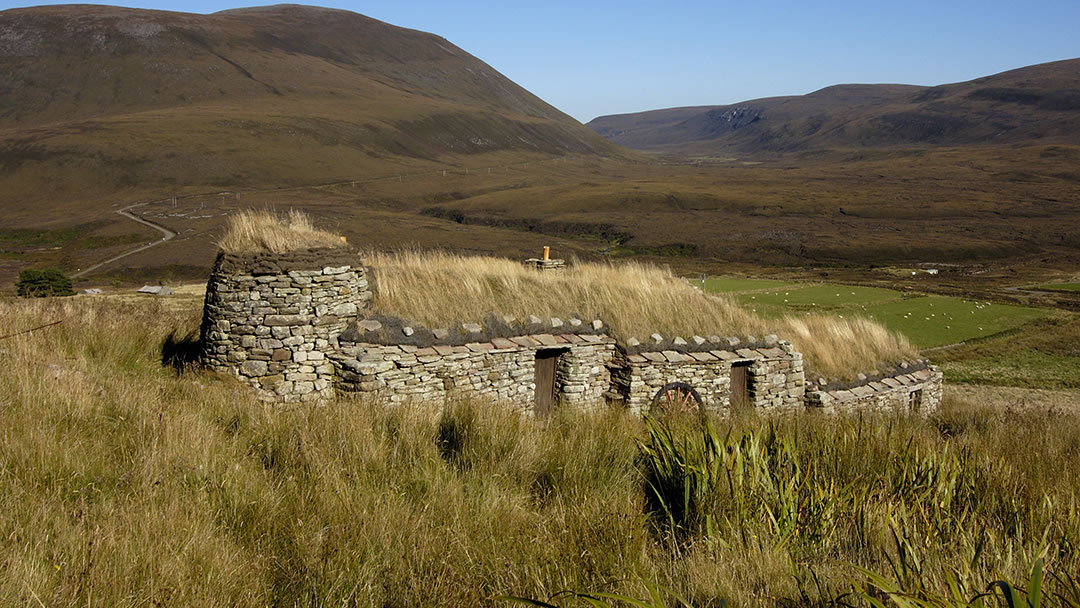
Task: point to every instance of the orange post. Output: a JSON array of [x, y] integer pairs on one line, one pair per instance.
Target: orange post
[[547, 253]]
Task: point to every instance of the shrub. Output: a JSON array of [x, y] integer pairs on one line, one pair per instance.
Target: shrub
[[43, 283]]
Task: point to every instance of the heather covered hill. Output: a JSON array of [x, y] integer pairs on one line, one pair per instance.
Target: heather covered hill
[[111, 99], [1034, 105]]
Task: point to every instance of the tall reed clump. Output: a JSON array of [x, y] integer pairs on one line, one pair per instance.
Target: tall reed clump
[[251, 231], [937, 517], [438, 288]]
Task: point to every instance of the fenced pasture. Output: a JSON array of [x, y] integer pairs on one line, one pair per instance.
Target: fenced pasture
[[926, 320]]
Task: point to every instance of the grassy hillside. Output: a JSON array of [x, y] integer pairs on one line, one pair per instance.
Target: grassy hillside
[[125, 483], [100, 101], [1033, 105], [395, 137]]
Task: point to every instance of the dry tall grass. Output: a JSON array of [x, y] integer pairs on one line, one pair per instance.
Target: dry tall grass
[[250, 231], [438, 288], [836, 347], [122, 483]]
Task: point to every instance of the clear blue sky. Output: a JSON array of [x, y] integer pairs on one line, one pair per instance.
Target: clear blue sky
[[595, 58]]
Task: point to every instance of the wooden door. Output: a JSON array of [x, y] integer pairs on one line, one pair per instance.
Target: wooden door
[[740, 384], [546, 360], [914, 400]]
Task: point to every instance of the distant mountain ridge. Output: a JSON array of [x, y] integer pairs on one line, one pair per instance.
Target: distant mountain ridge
[[109, 98], [1036, 104]]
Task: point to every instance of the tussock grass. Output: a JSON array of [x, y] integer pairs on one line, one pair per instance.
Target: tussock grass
[[250, 231], [438, 288], [122, 483], [836, 347]]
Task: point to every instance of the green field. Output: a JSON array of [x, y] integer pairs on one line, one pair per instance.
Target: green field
[[735, 285], [1044, 355], [1025, 368], [927, 321], [1060, 287]]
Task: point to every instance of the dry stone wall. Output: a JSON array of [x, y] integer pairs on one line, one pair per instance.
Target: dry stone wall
[[472, 359], [548, 264], [775, 377], [918, 390], [296, 328], [272, 319]]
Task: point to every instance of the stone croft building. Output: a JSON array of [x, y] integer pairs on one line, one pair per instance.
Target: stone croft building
[[299, 327]]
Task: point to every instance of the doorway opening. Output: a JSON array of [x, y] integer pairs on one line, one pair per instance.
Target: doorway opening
[[547, 362], [740, 384], [914, 400]]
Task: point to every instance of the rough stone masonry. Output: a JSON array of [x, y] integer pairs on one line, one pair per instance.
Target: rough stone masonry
[[272, 319], [298, 327]]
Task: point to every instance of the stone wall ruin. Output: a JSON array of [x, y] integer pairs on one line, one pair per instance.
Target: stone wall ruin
[[913, 387], [298, 327], [272, 319], [774, 373]]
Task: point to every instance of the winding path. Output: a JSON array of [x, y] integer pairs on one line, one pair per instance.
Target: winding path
[[168, 235]]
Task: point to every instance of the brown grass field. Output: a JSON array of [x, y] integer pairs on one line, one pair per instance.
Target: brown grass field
[[437, 289], [125, 483], [128, 477]]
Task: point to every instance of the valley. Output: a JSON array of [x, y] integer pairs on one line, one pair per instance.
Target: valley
[[396, 138], [967, 212]]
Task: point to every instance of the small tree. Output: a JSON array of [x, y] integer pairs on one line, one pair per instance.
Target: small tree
[[43, 283]]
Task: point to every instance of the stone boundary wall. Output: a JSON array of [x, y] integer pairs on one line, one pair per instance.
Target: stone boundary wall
[[919, 391], [659, 343], [502, 368], [272, 319], [775, 375]]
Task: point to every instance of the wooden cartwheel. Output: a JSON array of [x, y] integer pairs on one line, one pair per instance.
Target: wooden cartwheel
[[677, 397]]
